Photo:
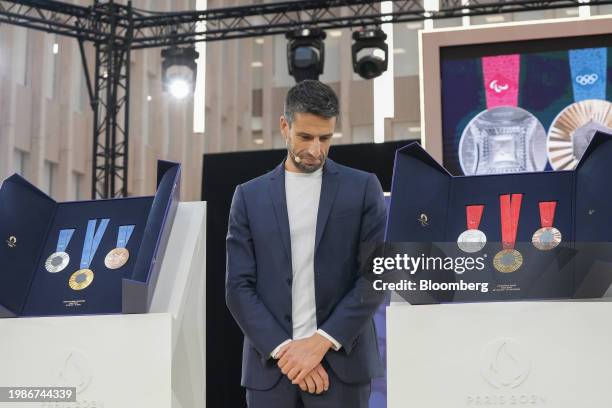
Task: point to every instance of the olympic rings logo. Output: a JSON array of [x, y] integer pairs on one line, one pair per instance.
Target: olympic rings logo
[[587, 79]]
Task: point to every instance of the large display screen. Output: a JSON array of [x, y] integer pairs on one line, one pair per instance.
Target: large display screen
[[524, 106]]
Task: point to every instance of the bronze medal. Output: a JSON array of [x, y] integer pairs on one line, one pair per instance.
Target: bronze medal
[[116, 258]]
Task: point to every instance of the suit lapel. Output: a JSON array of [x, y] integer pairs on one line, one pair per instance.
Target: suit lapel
[[329, 187], [279, 202]]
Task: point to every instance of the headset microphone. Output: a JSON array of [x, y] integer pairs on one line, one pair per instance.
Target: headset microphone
[[296, 158]]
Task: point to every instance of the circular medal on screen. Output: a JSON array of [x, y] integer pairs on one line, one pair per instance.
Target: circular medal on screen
[[504, 139], [572, 131], [546, 238], [472, 240], [57, 262], [81, 279], [116, 258], [508, 260]]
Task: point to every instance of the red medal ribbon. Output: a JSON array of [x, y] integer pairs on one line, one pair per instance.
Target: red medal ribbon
[[547, 213], [473, 214], [510, 212]]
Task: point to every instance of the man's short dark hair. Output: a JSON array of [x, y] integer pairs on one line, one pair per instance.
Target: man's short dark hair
[[313, 97]]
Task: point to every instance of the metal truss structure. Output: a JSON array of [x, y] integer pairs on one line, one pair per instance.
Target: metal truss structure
[[278, 18], [108, 26], [116, 29]]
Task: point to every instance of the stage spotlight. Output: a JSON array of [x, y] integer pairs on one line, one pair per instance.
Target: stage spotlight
[[179, 70], [305, 53], [370, 53]]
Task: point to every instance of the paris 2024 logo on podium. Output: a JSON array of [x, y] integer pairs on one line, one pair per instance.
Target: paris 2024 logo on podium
[[505, 365]]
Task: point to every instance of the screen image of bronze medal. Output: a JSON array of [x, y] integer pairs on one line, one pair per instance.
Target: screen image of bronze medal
[[81, 279], [504, 139], [116, 258], [57, 262], [508, 260], [572, 131]]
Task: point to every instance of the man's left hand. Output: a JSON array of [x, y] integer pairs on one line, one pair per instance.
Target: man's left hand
[[299, 357]]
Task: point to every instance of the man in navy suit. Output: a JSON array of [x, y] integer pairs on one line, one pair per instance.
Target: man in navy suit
[[293, 282]]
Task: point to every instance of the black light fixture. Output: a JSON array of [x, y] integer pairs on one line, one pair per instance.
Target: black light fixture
[[179, 69], [305, 53], [370, 53]]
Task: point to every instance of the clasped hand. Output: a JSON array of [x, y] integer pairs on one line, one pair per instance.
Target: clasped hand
[[300, 361]]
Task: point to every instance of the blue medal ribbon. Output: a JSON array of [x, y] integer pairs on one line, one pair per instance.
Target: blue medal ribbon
[[92, 241], [125, 232], [65, 236], [588, 70]]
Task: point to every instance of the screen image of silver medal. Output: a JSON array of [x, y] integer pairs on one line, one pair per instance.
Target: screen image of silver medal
[[504, 139]]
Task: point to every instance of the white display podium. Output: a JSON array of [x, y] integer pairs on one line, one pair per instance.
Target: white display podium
[[153, 360], [519, 354]]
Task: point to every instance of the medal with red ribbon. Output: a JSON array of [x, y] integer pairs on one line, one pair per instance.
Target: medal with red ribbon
[[509, 259], [472, 239], [547, 237]]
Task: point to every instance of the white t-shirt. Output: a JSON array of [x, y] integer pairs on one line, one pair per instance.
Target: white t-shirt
[[303, 191]]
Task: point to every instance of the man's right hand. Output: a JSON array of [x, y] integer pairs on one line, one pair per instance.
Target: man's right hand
[[316, 382]]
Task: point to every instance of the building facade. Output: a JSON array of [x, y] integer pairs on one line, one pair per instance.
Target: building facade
[[46, 121]]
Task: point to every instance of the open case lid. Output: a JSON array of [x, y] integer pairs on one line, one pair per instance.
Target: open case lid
[[138, 289], [593, 215], [430, 182], [25, 215]]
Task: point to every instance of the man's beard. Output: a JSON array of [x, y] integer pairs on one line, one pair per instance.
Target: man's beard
[[304, 167]]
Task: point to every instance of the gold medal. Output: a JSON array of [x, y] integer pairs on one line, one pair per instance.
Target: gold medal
[[81, 279], [508, 260], [116, 258]]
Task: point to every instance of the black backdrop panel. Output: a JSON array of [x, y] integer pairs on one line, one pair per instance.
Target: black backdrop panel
[[222, 172]]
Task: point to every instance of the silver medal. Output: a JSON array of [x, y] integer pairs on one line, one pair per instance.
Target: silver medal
[[472, 240], [57, 262]]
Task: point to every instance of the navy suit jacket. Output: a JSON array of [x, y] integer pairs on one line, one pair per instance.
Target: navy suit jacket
[[259, 272]]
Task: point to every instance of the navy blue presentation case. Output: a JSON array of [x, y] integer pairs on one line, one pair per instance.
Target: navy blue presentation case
[[30, 222], [580, 267]]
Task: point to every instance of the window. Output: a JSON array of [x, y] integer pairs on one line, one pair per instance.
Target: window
[[20, 162], [48, 180], [77, 186], [52, 70], [21, 56]]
